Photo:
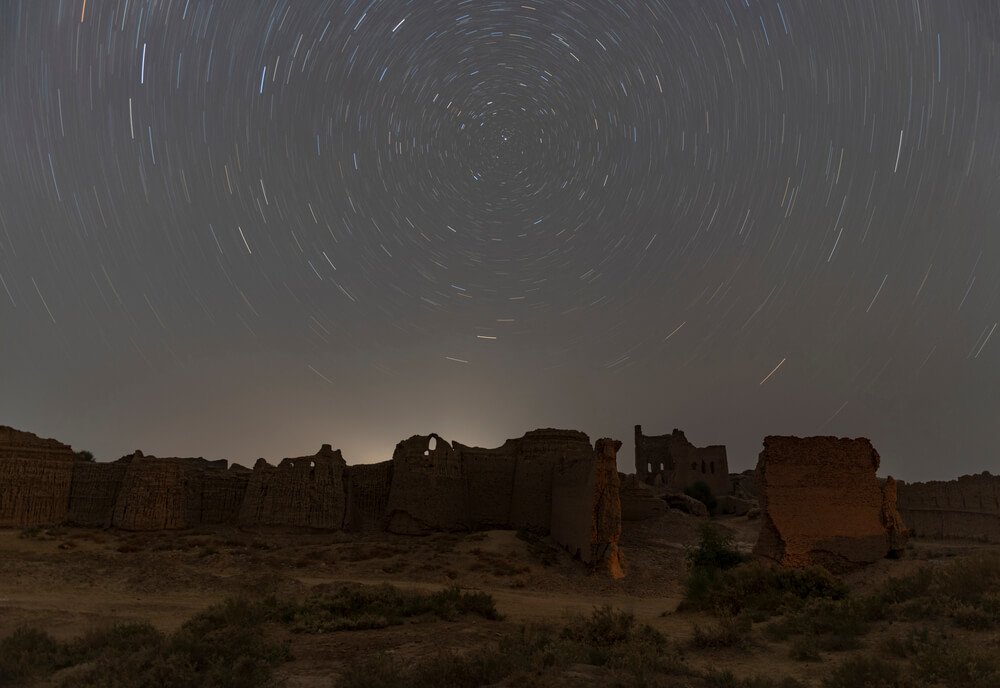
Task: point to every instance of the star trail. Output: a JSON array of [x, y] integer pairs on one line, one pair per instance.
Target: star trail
[[242, 228]]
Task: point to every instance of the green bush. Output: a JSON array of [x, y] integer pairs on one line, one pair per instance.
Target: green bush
[[713, 554], [760, 590], [714, 551]]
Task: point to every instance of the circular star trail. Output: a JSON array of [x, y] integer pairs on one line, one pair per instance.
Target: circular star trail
[[237, 228]]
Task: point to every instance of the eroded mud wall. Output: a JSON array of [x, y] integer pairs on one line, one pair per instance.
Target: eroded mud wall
[[35, 478], [822, 503], [968, 507], [306, 492]]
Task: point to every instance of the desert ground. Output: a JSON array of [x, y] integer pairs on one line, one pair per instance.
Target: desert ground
[[70, 582]]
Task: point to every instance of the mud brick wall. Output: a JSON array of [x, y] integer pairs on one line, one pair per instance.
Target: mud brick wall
[[822, 503]]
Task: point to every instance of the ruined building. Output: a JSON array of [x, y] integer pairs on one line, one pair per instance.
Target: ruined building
[[678, 464], [35, 478], [822, 504], [968, 507], [548, 481]]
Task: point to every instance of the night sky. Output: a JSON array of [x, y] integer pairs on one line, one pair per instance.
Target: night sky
[[243, 228]]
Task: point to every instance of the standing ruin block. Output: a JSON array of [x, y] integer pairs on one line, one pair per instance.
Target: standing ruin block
[[579, 486], [822, 503]]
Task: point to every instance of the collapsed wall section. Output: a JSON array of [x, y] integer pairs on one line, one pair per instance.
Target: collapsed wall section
[[308, 492], [822, 503], [968, 507], [428, 491]]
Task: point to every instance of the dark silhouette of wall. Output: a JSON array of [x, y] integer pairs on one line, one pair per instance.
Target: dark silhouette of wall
[[968, 507], [548, 481], [680, 464]]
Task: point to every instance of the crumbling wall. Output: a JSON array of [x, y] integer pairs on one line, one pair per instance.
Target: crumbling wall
[[822, 503], [148, 493], [307, 491], [222, 493], [35, 478], [537, 454], [574, 486], [549, 481], [94, 492], [17, 444], [368, 495], [584, 486], [679, 463], [159, 494], [606, 521], [428, 490], [489, 480], [968, 507]]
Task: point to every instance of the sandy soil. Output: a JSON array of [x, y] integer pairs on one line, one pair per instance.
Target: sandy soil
[[68, 581]]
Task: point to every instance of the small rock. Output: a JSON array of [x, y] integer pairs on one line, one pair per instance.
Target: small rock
[[686, 504]]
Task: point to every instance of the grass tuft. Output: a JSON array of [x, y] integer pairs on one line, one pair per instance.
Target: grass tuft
[[359, 607], [865, 672], [729, 632]]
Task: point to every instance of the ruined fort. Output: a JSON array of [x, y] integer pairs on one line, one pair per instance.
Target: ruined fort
[[819, 499], [548, 481]]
